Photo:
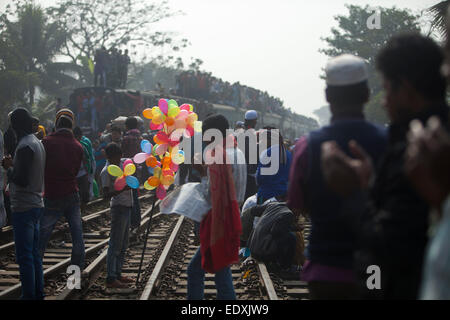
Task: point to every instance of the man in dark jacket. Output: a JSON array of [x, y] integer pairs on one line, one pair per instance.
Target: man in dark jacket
[[61, 191], [131, 145], [393, 229]]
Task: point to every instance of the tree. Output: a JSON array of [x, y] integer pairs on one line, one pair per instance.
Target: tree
[[34, 43], [113, 23], [352, 36]]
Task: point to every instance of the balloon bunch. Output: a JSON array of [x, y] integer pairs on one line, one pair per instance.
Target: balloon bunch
[[164, 156], [124, 177]]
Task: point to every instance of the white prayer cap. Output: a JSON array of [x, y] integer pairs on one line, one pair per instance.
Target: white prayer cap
[[346, 70], [251, 115]]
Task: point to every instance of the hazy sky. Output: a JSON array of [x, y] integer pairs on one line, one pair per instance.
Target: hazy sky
[[267, 44]]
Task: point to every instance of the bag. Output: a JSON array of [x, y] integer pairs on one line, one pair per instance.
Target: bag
[[189, 200]]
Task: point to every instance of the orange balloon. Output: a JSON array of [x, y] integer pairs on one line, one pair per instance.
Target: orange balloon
[[170, 121], [166, 161], [147, 113], [151, 162], [157, 140], [153, 181]]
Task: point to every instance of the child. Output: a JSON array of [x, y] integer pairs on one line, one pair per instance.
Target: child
[[121, 204]]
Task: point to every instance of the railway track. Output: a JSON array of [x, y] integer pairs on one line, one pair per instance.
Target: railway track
[[58, 252], [170, 246]]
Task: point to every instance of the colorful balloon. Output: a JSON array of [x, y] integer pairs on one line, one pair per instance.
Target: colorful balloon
[[140, 158], [127, 162], [153, 181], [115, 171], [161, 192], [146, 146], [132, 182], [148, 187], [147, 113], [163, 105], [129, 169], [120, 183]]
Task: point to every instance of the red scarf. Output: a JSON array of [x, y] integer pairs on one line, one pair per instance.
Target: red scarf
[[220, 230]]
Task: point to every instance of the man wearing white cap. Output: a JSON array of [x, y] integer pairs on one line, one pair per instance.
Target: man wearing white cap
[[329, 266]]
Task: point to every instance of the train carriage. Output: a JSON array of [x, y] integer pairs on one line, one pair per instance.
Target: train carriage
[[94, 107]]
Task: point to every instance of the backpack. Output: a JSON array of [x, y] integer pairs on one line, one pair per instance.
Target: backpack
[[276, 221]]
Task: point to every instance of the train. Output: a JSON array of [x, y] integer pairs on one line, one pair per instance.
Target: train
[[111, 104]]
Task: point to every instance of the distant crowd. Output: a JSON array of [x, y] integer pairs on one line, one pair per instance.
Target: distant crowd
[[203, 86], [111, 68]]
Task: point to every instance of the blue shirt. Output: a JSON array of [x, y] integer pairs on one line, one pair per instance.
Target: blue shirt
[[275, 185]]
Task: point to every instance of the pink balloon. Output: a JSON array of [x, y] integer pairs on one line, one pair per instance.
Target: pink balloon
[[140, 157], [120, 183], [168, 173], [163, 105], [156, 126], [180, 124], [189, 132], [161, 149], [126, 162], [173, 143], [185, 107], [173, 167], [182, 115], [160, 192], [162, 136]]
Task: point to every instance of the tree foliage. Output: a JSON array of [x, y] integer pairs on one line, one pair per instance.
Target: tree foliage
[[30, 44], [92, 24], [352, 36]]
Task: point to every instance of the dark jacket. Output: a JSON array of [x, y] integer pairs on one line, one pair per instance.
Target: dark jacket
[[275, 224], [394, 228], [64, 156], [332, 241]]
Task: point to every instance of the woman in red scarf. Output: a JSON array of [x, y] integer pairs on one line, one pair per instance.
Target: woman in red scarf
[[221, 228]]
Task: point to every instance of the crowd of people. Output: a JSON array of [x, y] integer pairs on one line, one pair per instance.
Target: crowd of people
[[111, 68], [369, 192], [203, 86]]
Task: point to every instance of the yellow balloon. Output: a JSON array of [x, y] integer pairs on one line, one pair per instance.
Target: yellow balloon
[[173, 112], [115, 171], [158, 118], [192, 118], [130, 169], [157, 172], [167, 180], [177, 158]]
